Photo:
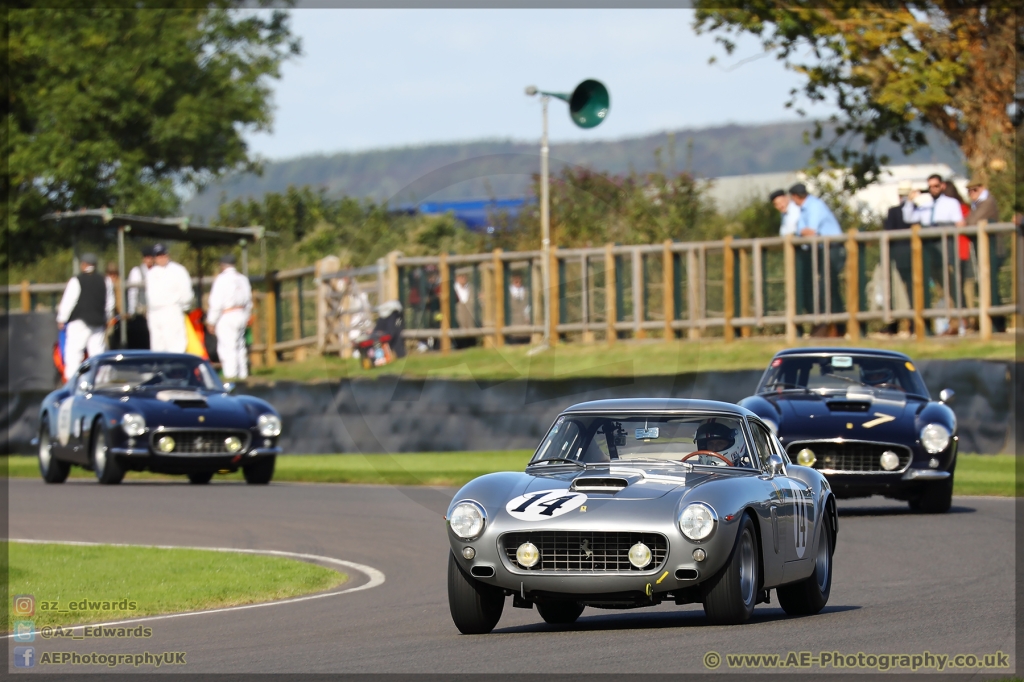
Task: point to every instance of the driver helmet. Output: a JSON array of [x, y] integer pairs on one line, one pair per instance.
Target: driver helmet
[[877, 376], [720, 438]]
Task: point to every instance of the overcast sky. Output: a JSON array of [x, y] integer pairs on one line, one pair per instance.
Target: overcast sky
[[385, 78]]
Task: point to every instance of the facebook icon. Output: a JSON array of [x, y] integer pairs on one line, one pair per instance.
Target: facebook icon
[[24, 656]]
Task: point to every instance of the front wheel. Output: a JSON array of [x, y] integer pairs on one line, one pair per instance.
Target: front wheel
[[108, 470], [559, 612], [937, 497], [810, 595], [52, 469], [200, 477], [259, 472], [476, 607], [733, 592]]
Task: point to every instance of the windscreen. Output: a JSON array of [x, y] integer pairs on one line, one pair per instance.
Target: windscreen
[[840, 372], [130, 373], [596, 439]]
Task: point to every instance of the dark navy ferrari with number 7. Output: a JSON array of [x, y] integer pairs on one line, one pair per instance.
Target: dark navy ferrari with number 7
[[631, 503], [162, 412], [864, 419]]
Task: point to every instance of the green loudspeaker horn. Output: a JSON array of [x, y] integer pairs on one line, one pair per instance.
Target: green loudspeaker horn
[[588, 104]]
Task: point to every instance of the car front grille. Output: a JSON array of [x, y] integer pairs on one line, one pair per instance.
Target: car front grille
[[585, 551], [201, 442], [852, 457]]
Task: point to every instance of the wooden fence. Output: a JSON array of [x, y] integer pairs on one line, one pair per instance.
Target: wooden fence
[[728, 288]]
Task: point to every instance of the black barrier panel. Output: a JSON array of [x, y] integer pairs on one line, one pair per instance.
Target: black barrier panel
[[26, 352], [438, 415]]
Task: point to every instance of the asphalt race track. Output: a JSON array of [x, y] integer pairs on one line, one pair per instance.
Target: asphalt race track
[[903, 583]]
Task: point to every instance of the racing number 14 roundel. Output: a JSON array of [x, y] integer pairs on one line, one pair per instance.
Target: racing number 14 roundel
[[544, 504]]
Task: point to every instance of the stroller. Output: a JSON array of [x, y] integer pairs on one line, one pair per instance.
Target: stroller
[[384, 343]]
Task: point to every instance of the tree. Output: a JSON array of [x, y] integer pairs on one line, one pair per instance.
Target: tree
[[123, 107], [892, 66]]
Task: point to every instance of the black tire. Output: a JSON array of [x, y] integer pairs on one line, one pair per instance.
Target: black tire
[[810, 595], [52, 469], [200, 477], [476, 607], [732, 594], [937, 498], [108, 470], [560, 612], [259, 472]]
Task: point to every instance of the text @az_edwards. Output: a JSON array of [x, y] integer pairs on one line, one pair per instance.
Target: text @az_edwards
[[838, 660]]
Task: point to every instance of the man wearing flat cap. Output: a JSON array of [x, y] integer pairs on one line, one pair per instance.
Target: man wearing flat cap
[[168, 295], [229, 306], [85, 308]]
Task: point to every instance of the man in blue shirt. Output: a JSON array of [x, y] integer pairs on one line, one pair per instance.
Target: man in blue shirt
[[817, 220]]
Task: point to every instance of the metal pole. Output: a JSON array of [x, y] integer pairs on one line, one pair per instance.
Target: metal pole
[[120, 287], [245, 258], [545, 220]]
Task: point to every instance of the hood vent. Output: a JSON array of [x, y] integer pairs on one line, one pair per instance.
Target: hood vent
[[848, 406], [183, 398], [598, 484]]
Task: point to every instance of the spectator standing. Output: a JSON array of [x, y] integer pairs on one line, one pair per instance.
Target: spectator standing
[[817, 220], [983, 206], [463, 311], [229, 307], [168, 295], [83, 313], [518, 307], [790, 211], [137, 276], [899, 254]]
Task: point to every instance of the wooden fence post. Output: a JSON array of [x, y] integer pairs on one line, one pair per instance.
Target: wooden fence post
[[392, 277], [270, 316], [499, 298], [256, 359], [26, 297], [728, 289], [745, 291], [446, 308], [300, 351], [610, 288], [789, 262], [984, 282], [693, 291], [556, 290], [917, 275], [669, 290], [852, 285]]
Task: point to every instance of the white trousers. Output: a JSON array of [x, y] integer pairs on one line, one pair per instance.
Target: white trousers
[[230, 330], [79, 338], [167, 330]]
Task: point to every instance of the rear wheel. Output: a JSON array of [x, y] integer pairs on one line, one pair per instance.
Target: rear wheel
[[936, 499], [200, 477], [259, 472], [476, 607], [52, 469], [810, 595], [733, 592], [559, 612], [108, 469]]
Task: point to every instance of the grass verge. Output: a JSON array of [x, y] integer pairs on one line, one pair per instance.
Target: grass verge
[[975, 474], [154, 581], [627, 358]]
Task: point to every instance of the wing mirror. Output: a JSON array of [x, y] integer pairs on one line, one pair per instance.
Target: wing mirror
[[229, 387], [776, 465], [946, 395]]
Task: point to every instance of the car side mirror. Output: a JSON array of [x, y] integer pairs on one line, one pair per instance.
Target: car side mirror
[[776, 465], [946, 395], [229, 387]]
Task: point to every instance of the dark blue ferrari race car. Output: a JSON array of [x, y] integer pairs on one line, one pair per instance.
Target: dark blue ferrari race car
[[863, 418], [162, 412]]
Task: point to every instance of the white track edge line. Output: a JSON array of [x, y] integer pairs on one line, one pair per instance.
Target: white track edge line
[[376, 578]]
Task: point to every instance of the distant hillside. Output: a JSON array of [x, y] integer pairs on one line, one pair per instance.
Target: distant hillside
[[496, 168]]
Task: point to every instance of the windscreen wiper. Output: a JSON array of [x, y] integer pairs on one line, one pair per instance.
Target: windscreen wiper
[[559, 459]]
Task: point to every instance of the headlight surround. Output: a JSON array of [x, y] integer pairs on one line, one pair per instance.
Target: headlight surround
[[269, 425], [134, 424], [935, 438], [467, 520], [698, 521]]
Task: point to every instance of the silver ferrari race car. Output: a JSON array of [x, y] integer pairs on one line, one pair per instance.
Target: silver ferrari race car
[[629, 503]]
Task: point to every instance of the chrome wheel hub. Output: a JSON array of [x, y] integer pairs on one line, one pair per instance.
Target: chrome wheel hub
[[44, 451], [99, 455]]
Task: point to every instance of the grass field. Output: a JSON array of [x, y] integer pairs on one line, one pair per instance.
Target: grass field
[[975, 474], [628, 358], [152, 580]]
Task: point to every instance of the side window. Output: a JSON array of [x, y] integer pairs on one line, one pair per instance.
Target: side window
[[83, 380], [762, 441]]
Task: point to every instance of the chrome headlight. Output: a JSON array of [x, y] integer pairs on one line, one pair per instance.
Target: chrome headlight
[[697, 521], [133, 424], [269, 425], [935, 438], [165, 444], [467, 520]]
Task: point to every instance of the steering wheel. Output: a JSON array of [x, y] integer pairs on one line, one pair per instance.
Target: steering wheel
[[709, 453]]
